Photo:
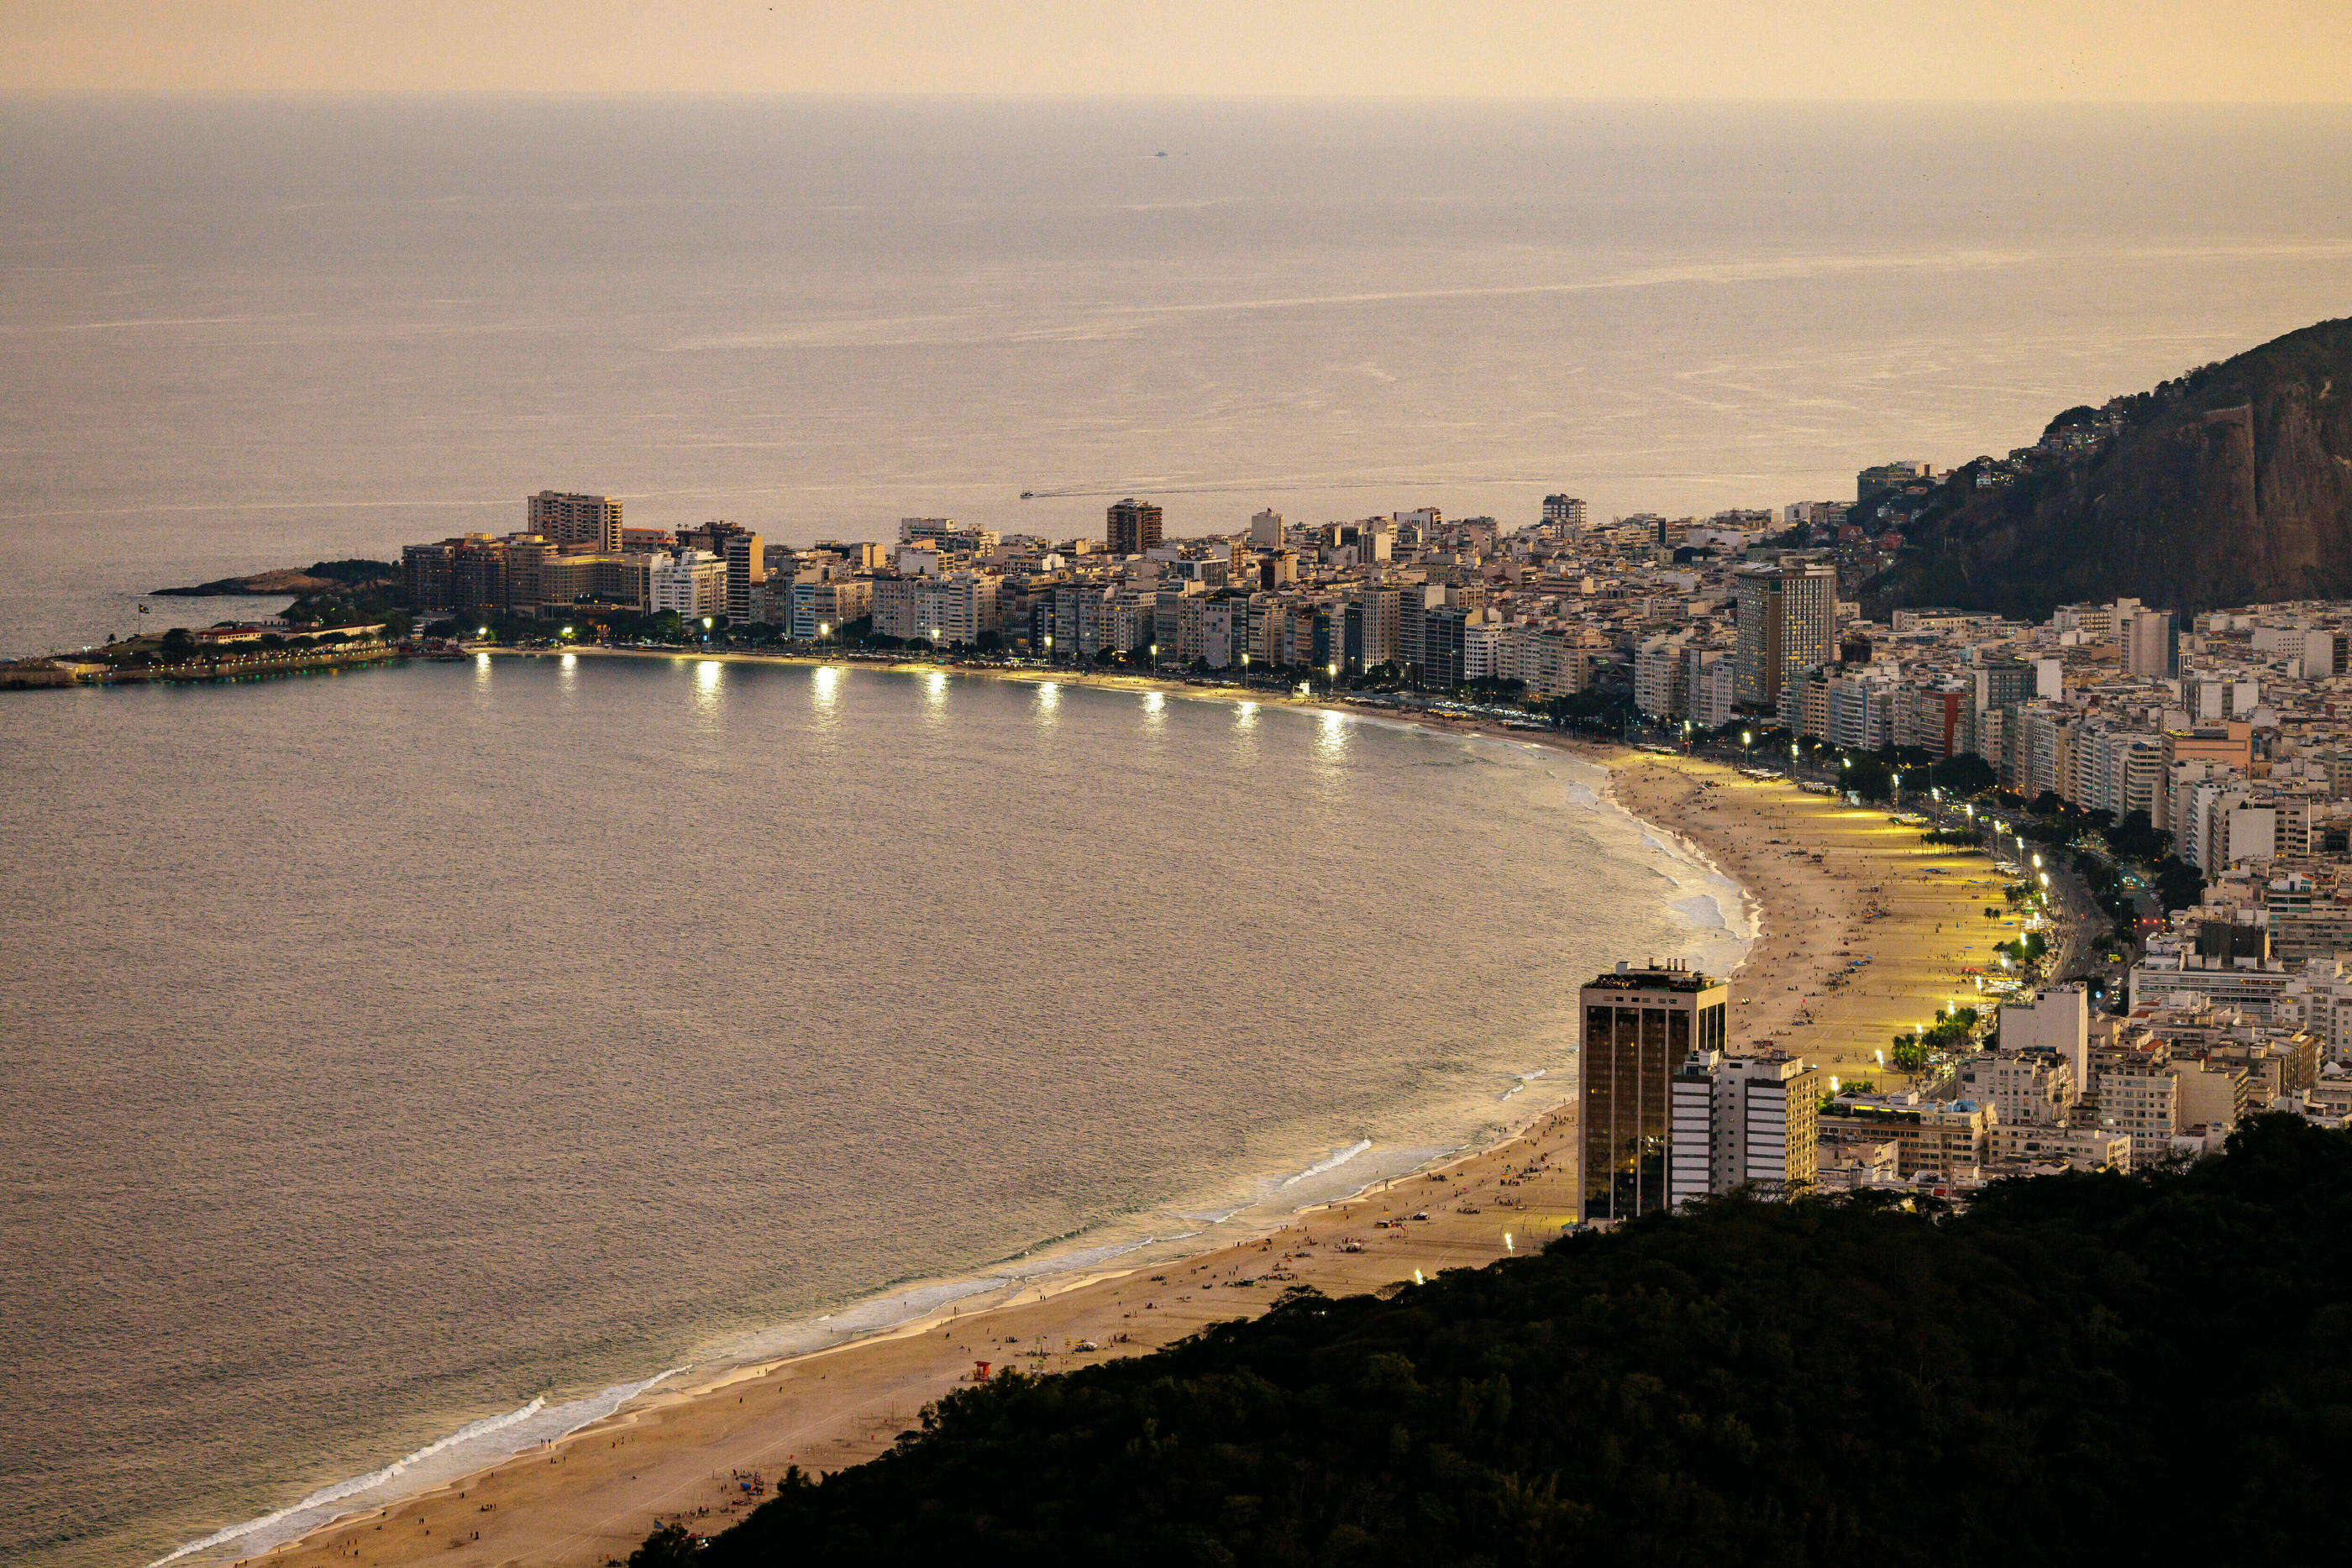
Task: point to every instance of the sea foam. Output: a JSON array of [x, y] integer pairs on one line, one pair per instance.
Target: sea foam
[[473, 1447]]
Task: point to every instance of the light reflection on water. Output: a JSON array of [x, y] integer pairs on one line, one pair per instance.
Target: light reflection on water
[[818, 995]]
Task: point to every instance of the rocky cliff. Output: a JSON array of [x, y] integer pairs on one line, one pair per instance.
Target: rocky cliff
[[2229, 486]]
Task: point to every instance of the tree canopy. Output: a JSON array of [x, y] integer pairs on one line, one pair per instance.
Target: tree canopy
[[2078, 1367]]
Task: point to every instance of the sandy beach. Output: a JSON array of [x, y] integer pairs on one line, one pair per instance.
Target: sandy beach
[[1830, 883]]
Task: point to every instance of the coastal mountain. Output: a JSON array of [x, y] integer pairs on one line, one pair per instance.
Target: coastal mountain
[[2231, 484], [2077, 1367]]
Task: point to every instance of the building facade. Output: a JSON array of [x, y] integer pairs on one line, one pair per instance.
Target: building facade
[[1743, 1122], [563, 517], [1639, 1027], [1787, 623], [1132, 527]]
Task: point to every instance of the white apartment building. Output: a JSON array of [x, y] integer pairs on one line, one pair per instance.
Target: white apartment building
[[1547, 663], [1709, 681], [821, 606], [2142, 1102], [2084, 1148], [950, 610], [1742, 1122], [1480, 640], [1661, 677], [2058, 1020], [2250, 987], [690, 582], [2119, 771], [2032, 1089]]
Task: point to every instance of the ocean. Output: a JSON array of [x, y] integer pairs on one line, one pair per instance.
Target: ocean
[[390, 1050], [407, 1062], [244, 333]]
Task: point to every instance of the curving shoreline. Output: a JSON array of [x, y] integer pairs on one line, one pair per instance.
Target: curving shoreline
[[590, 1495]]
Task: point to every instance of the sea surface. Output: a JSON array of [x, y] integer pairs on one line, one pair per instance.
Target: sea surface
[[445, 1051], [244, 333]]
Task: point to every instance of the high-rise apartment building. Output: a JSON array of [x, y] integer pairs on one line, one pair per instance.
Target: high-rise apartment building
[[747, 571], [2025, 1088], [1132, 527], [1787, 624], [564, 518], [2152, 645], [1265, 530], [1640, 1025], [2057, 1020], [1743, 1122], [1563, 511], [1378, 642], [690, 584]]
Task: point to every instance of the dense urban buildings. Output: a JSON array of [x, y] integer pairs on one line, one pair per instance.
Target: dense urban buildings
[[2223, 737]]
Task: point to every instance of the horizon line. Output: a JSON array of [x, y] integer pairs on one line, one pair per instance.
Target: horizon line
[[920, 95]]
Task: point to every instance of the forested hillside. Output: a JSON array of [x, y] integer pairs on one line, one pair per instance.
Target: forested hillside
[[2085, 1368]]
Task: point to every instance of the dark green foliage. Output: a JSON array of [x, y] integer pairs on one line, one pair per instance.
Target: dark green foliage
[[2179, 885], [671, 1546], [2133, 838], [2079, 1368], [1966, 773], [355, 570]]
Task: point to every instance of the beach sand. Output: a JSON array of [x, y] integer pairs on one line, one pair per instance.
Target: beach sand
[[1875, 890]]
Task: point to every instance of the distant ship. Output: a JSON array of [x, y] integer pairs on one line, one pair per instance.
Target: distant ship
[[1028, 495]]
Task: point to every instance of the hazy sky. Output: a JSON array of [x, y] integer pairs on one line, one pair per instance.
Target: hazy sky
[[2061, 50]]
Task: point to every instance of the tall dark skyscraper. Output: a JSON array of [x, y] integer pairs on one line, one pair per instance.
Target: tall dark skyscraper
[[1639, 1026], [1132, 526]]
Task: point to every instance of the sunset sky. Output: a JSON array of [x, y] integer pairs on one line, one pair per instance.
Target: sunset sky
[[2087, 50]]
